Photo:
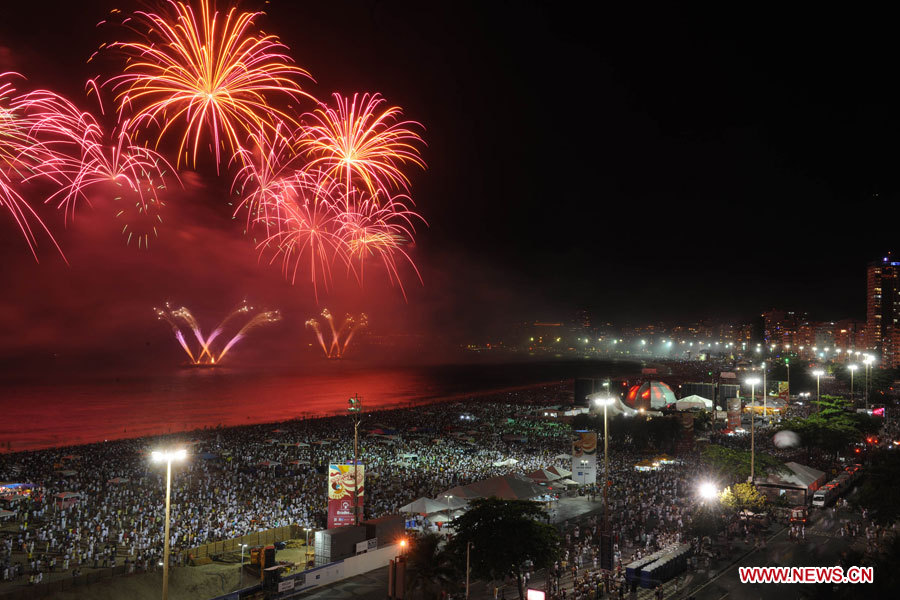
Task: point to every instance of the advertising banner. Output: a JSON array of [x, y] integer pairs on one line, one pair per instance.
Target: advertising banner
[[584, 457], [783, 390], [734, 413], [341, 485]]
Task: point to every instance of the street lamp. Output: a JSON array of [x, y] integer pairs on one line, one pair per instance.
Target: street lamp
[[242, 563], [168, 456], [355, 410], [868, 362], [818, 373], [752, 381], [852, 371], [764, 393], [707, 490], [605, 402]]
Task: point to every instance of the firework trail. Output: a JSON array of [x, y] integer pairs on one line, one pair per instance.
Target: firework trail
[[260, 319], [18, 156], [205, 354], [314, 325], [167, 316], [206, 72], [337, 346], [359, 141]]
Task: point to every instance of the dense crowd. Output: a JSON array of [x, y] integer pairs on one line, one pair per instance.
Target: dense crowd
[[246, 479]]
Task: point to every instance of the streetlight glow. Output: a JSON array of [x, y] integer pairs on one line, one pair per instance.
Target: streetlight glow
[[707, 490]]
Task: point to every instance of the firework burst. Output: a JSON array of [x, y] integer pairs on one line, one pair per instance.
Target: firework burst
[[373, 230], [269, 168], [18, 157], [305, 229], [204, 72], [361, 142]]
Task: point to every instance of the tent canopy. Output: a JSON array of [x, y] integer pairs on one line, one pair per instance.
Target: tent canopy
[[542, 476], [693, 402], [616, 408], [796, 475], [424, 506], [506, 487], [560, 472]]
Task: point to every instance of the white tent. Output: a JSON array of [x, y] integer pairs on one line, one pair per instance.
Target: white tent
[[693, 402], [616, 408], [424, 506]]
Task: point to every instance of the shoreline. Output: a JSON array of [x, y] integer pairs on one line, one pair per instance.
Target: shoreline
[[302, 416]]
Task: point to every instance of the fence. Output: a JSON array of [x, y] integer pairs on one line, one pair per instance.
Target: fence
[[297, 584], [260, 538], [60, 585]]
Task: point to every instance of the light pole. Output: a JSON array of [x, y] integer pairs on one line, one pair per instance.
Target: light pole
[[787, 363], [306, 550], [242, 563], [764, 393], [752, 381], [852, 371], [468, 549], [355, 410], [818, 373], [168, 456], [605, 402], [868, 362]]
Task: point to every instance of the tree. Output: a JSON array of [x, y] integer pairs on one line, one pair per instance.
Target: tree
[[743, 496], [429, 568], [735, 464], [707, 520], [504, 534], [879, 491], [832, 427]]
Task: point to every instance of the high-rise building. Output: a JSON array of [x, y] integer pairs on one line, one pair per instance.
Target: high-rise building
[[883, 310]]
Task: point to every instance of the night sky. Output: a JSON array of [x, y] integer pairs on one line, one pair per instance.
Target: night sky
[[658, 164]]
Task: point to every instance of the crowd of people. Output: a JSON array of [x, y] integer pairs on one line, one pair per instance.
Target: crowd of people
[[102, 505]]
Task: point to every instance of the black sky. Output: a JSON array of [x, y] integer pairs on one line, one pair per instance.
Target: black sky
[[647, 162]]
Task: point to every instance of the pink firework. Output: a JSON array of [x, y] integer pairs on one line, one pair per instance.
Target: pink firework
[[381, 231], [18, 158], [81, 155], [268, 168], [361, 142], [307, 219]]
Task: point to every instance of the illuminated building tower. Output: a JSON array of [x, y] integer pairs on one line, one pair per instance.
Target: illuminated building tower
[[883, 310]]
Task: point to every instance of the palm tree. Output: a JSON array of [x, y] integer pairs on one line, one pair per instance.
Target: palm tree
[[429, 570]]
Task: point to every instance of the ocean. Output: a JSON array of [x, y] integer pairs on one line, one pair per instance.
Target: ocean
[[78, 410]]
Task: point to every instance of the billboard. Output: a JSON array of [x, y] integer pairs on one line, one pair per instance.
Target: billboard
[[584, 457], [734, 413], [783, 390], [341, 485]]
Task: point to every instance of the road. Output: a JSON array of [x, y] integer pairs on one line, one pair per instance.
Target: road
[[822, 547]]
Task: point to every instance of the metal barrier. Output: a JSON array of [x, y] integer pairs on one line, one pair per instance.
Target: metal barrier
[[42, 590], [259, 538]]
